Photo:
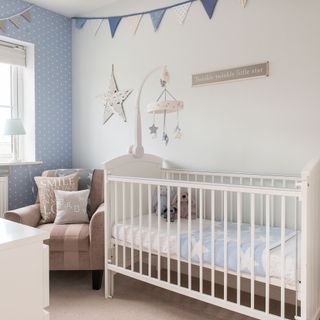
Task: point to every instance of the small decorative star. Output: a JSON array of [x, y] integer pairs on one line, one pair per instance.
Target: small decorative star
[[178, 132], [153, 129], [165, 138]]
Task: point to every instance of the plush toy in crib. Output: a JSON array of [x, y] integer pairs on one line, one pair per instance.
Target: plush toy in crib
[[184, 205], [163, 200], [173, 214]]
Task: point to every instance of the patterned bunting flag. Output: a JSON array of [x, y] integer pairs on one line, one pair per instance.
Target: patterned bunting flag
[[80, 22], [135, 22], [156, 17], [3, 25], [182, 12], [114, 23], [15, 21], [209, 6], [27, 15]]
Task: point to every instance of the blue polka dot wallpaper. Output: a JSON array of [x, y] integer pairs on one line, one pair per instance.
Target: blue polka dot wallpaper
[[52, 37]]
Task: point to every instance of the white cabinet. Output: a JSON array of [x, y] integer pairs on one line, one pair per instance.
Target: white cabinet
[[24, 272]]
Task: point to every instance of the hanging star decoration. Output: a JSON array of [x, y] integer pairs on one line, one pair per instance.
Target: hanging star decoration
[[153, 131], [114, 99]]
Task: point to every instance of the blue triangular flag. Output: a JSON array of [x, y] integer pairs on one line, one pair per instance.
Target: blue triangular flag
[[80, 22], [156, 17], [114, 23], [209, 6]]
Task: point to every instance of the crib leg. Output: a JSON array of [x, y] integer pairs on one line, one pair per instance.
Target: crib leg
[[109, 284]]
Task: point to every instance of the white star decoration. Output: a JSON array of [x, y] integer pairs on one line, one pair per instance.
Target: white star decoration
[[114, 100]]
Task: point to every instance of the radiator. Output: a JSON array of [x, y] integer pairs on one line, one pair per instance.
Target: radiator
[[3, 195]]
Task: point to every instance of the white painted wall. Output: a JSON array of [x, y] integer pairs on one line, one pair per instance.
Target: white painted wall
[[265, 125]]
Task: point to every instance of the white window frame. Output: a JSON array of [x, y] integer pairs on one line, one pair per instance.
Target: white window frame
[[16, 109]]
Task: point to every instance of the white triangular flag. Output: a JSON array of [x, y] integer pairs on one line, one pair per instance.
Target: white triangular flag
[[182, 12], [98, 27], [244, 3], [15, 21], [135, 22], [27, 16], [3, 25]]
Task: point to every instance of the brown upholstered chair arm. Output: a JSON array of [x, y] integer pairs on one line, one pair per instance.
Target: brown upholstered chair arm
[[96, 234], [29, 215]]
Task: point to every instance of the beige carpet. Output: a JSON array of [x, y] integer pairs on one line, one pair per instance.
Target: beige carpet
[[71, 298]]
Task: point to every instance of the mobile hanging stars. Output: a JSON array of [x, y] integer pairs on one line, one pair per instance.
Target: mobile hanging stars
[[114, 99], [165, 106]]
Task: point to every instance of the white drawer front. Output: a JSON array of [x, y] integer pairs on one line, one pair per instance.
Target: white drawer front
[[45, 276], [46, 315]]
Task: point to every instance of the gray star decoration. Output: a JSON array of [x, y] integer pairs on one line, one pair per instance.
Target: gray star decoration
[[153, 130], [114, 100]]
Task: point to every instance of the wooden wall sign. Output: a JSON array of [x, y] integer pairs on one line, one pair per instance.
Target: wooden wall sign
[[234, 74]]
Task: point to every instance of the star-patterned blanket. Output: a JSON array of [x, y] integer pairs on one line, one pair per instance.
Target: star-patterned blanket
[[245, 247]]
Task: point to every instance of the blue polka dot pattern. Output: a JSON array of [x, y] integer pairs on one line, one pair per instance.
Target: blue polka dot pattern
[[51, 34]]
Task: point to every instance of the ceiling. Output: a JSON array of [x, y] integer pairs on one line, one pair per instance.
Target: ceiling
[[71, 8]]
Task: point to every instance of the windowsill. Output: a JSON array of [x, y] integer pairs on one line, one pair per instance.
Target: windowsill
[[19, 163]]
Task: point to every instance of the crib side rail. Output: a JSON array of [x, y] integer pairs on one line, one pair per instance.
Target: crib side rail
[[278, 181], [310, 268], [136, 238]]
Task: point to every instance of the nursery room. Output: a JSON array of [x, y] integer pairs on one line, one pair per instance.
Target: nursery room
[[159, 159]]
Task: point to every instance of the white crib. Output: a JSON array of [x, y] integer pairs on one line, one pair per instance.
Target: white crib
[[253, 248]]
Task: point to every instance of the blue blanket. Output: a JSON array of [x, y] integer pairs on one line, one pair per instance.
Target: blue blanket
[[245, 247]]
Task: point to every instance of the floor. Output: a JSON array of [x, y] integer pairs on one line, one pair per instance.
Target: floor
[[71, 298]]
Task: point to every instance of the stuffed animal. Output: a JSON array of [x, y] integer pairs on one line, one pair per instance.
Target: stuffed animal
[[173, 214], [184, 205], [163, 199]]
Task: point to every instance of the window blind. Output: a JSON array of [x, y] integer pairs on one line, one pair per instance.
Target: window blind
[[12, 53]]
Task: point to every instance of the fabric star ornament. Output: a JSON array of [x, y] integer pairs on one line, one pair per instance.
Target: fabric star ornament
[[114, 100]]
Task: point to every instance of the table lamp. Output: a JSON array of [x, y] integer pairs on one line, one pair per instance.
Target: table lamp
[[14, 128]]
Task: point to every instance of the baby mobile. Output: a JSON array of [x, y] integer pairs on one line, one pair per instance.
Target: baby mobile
[[163, 105]]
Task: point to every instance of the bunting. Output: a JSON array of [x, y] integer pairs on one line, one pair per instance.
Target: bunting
[[114, 23], [182, 12], [15, 19], [156, 15]]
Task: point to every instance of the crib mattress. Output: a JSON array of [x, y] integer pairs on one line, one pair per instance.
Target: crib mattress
[[131, 235]]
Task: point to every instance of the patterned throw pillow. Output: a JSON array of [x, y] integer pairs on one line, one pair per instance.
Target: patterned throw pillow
[[71, 206], [46, 187]]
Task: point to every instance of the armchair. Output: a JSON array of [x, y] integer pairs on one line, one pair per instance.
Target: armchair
[[73, 246]]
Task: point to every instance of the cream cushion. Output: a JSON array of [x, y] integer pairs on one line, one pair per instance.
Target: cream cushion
[[71, 206], [46, 187]]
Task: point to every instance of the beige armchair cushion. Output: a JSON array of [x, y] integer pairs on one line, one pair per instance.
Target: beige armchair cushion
[[46, 187]]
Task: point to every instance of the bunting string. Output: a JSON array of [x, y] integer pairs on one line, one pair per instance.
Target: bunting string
[[181, 9], [15, 19]]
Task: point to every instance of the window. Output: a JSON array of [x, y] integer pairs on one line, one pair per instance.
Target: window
[[12, 66], [9, 108]]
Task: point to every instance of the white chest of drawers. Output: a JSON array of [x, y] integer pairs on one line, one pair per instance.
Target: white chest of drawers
[[24, 272]]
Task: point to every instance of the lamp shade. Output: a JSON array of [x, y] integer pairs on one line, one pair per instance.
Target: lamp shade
[[14, 127]]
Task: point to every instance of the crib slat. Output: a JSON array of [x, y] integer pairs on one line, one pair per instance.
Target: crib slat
[[116, 222], [267, 253], [189, 239], [252, 255], [140, 228], [149, 228], [212, 243], [132, 238], [239, 222], [123, 223], [225, 246], [168, 234], [201, 239], [179, 234], [159, 216], [283, 224]]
